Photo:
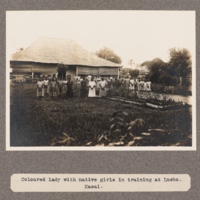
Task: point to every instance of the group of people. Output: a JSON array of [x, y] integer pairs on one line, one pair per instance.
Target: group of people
[[129, 83], [55, 87], [89, 86], [126, 83], [93, 87], [64, 87]]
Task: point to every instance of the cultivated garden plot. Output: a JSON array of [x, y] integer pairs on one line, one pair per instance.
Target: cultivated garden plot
[[92, 121]]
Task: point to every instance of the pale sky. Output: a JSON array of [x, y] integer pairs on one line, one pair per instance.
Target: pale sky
[[137, 35]]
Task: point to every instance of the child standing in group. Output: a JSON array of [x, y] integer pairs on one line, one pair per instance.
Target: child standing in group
[[53, 87], [40, 88], [70, 83], [46, 86], [59, 84], [64, 87]]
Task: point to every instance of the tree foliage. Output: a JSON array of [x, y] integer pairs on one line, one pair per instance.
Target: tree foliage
[[134, 73], [156, 68], [124, 72], [173, 72], [109, 55], [180, 63]]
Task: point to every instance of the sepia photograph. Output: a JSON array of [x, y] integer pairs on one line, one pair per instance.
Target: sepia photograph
[[100, 80]]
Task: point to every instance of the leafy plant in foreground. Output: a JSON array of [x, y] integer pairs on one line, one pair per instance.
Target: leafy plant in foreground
[[124, 129], [63, 140]]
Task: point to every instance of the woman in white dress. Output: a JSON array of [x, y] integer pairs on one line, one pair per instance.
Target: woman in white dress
[[92, 85], [132, 85]]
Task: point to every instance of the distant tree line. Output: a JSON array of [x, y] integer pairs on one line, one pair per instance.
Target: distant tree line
[[174, 72]]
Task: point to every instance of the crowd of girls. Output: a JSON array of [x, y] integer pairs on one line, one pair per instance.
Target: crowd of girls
[[89, 86], [54, 87]]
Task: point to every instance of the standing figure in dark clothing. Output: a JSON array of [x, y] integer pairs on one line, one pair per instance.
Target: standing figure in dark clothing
[[84, 88], [70, 83]]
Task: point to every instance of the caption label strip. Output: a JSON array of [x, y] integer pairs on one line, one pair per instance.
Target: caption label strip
[[100, 182]]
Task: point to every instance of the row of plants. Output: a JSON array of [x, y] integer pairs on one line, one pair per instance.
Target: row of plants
[[146, 98]]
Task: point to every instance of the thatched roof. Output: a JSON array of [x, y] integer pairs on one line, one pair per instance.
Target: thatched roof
[[53, 50]]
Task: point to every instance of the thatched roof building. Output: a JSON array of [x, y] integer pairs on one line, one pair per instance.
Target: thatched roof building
[[45, 54]]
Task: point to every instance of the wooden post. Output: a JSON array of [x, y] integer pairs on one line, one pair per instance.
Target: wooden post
[[32, 72], [76, 70], [118, 73]]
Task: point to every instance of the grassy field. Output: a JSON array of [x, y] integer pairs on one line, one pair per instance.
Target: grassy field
[[35, 122]]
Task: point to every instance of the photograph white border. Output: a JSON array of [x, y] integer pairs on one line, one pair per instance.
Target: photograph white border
[[104, 148]]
